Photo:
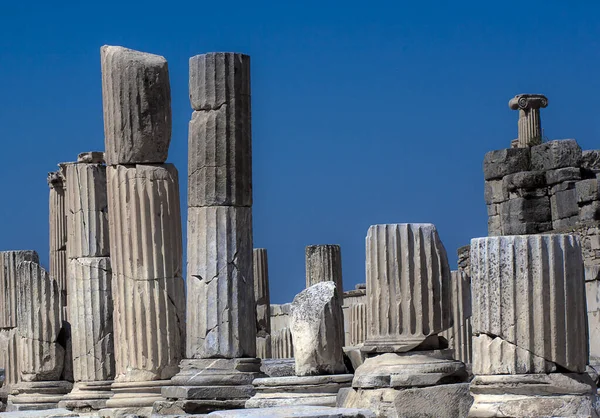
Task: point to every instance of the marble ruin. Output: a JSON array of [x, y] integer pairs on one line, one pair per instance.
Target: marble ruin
[[109, 330]]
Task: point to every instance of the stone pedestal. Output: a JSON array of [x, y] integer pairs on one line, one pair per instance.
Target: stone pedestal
[[298, 390], [529, 327], [408, 304], [221, 311], [324, 263], [263, 303]]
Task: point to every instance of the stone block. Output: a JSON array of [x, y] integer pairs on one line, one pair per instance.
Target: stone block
[[493, 209], [524, 180], [298, 411], [136, 98], [317, 326], [528, 291], [562, 174], [499, 163], [495, 225], [278, 367], [495, 192], [526, 216], [587, 190], [555, 154], [565, 225], [564, 204], [589, 211], [590, 160], [559, 187]]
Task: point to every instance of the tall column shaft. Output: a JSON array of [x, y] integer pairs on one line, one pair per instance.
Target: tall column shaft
[[146, 257], [528, 299], [530, 128], [324, 263], [39, 324], [408, 279], [58, 230], [263, 302], [220, 290]]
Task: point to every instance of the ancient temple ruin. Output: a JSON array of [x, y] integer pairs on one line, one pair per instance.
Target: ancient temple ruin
[[117, 327]]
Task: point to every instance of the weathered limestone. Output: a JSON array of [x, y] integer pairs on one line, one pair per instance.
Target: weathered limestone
[[263, 303], [324, 263], [355, 316], [41, 355], [9, 261], [146, 257], [136, 99], [528, 319], [296, 412], [282, 344], [408, 305], [58, 230], [408, 284], [530, 126], [317, 330], [9, 357], [459, 334], [221, 310]]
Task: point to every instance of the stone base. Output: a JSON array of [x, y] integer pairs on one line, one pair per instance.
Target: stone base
[[278, 367], [296, 412], [411, 369], [206, 385], [539, 395], [35, 396], [443, 401], [298, 390], [133, 398], [402, 345], [87, 396]]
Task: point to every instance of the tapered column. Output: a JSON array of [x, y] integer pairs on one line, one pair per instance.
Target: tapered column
[[408, 283], [530, 125], [58, 230], [324, 263], [529, 327], [144, 226], [263, 303]]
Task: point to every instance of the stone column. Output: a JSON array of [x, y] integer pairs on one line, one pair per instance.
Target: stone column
[[90, 297], [41, 354], [144, 226], [58, 231], [459, 334], [408, 305], [9, 289], [530, 125], [263, 303], [324, 263], [529, 327], [221, 324]]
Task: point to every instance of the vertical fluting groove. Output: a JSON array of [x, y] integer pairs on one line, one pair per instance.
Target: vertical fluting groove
[[459, 334], [262, 300], [58, 229], [358, 324], [9, 261], [407, 282], [146, 249], [10, 355], [38, 324], [521, 303], [324, 263]]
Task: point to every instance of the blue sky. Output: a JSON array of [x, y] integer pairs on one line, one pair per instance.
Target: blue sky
[[363, 112]]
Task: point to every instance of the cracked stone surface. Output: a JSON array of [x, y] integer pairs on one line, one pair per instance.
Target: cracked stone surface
[[221, 319], [136, 100], [220, 135], [317, 326], [408, 287], [146, 258], [528, 299]]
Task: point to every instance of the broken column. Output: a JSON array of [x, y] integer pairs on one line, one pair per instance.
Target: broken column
[[41, 354], [263, 303], [408, 305], [529, 327], [144, 227], [324, 263], [58, 231], [221, 326], [282, 346], [317, 327], [530, 125], [459, 334], [9, 289], [90, 297]]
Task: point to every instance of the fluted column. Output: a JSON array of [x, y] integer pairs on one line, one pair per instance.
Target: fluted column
[[220, 306], [324, 263], [358, 321], [9, 261], [408, 283], [144, 226], [58, 230], [263, 303], [530, 125], [529, 327], [459, 334]]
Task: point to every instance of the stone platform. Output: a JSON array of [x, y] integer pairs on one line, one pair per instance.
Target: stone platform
[[295, 412], [207, 385], [87, 396], [529, 395], [135, 398], [36, 396], [298, 390]]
